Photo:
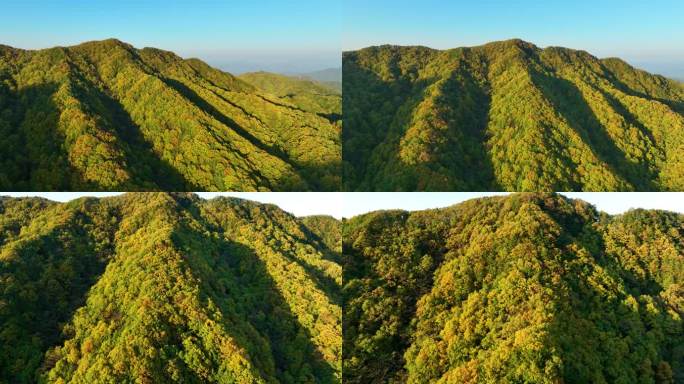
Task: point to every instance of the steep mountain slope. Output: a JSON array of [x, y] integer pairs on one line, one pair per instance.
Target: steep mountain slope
[[157, 287], [106, 116], [527, 288], [328, 230], [508, 116]]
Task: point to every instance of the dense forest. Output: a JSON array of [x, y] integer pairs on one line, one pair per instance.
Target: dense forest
[[508, 116], [306, 94], [525, 288], [104, 115], [166, 287]]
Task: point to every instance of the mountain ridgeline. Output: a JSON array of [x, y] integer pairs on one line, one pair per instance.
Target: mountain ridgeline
[[330, 77], [167, 287], [106, 116], [508, 116], [307, 94], [526, 288]]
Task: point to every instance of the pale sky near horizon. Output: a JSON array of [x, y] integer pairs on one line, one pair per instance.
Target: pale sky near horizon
[[290, 36], [234, 35], [647, 34], [340, 204]]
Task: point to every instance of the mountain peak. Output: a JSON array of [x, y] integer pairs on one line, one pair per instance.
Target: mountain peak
[[515, 42], [518, 45], [107, 43], [132, 114], [570, 286], [446, 114], [223, 297]]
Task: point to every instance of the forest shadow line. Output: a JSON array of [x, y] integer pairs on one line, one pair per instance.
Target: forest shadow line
[[677, 106], [146, 166], [585, 311], [73, 295], [36, 146], [362, 148], [246, 282], [323, 282], [564, 95], [206, 107]]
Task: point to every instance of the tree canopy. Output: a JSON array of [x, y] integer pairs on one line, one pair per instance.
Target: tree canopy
[[104, 115], [166, 287], [508, 116], [526, 288]]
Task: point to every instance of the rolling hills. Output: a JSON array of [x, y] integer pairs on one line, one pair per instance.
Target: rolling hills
[[104, 115], [330, 77], [525, 288], [508, 116], [167, 287], [309, 95], [324, 75]]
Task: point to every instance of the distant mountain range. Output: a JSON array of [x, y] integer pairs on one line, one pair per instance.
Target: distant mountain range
[[672, 69], [299, 90], [104, 115], [508, 116], [332, 77], [167, 288], [330, 74]]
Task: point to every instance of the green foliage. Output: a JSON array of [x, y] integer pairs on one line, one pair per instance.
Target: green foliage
[[532, 288], [305, 94], [106, 116], [156, 287], [508, 116], [327, 228]]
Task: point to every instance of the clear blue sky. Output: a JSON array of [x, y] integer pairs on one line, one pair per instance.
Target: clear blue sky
[[649, 34], [276, 35], [340, 204]]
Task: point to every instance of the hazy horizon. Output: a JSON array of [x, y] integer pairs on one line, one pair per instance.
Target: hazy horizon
[[301, 36], [667, 68], [648, 35], [240, 62]]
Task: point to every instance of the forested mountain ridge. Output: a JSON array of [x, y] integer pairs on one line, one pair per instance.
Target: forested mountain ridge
[[327, 228], [106, 116], [165, 287], [308, 95], [508, 116], [324, 75], [533, 288], [330, 77]]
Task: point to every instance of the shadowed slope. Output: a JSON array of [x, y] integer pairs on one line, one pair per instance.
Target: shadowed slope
[[533, 288], [157, 287], [508, 115], [147, 119]]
